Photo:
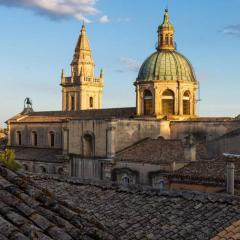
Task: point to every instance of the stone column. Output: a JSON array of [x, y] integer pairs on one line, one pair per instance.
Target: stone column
[[111, 140], [230, 177], [194, 105], [155, 101], [75, 101], [180, 100], [65, 141], [67, 102], [63, 101], [176, 101], [9, 135], [138, 100]]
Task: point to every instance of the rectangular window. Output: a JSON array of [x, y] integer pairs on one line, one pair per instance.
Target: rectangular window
[[72, 103], [186, 107], [19, 138], [168, 107]]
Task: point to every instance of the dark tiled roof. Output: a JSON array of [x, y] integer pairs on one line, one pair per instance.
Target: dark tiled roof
[[207, 171], [28, 212], [139, 213], [37, 154], [154, 151], [58, 116]]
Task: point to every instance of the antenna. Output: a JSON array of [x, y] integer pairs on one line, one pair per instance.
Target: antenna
[[175, 44], [167, 5], [199, 96]]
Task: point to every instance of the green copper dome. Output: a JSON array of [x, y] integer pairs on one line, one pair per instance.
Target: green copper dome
[[166, 65]]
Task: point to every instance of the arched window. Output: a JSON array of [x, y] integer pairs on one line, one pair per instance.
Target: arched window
[[72, 103], [91, 102], [51, 139], [42, 169], [161, 39], [60, 171], [88, 145], [19, 138], [34, 139], [148, 103], [168, 102], [125, 180], [25, 167], [171, 40], [186, 103], [167, 40]]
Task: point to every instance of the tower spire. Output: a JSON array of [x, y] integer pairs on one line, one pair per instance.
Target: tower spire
[[82, 52], [82, 90], [166, 34]]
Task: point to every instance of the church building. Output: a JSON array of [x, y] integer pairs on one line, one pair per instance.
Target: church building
[[138, 145]]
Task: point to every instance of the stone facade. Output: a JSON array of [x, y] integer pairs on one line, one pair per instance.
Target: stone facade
[[85, 141]]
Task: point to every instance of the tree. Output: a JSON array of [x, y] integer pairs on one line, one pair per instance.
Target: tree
[[7, 158]]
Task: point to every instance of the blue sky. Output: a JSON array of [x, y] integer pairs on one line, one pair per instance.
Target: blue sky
[[38, 40]]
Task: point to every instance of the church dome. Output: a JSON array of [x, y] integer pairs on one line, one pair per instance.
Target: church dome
[[166, 65]]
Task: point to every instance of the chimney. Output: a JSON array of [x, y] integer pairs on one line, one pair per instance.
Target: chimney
[[230, 177], [190, 151]]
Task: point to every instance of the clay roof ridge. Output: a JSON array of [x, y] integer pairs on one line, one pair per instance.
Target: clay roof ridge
[[145, 190]]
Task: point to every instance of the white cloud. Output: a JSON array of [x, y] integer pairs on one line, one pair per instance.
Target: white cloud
[[78, 9], [130, 64], [233, 30], [104, 19]]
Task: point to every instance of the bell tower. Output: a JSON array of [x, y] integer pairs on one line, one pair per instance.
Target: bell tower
[[82, 90]]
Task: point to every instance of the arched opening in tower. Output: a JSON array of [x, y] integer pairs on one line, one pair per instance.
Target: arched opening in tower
[[186, 103], [168, 102], [148, 103]]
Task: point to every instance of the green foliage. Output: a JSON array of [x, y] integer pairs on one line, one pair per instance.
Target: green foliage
[[7, 158], [4, 131]]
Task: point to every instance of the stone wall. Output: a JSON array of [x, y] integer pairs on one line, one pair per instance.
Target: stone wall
[[203, 130], [42, 130], [113, 134], [45, 167], [86, 168], [228, 143], [142, 171]]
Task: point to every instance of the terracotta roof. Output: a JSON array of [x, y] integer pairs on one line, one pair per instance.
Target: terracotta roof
[[154, 151], [58, 116], [37, 154], [28, 212], [232, 232], [136, 212], [207, 171]]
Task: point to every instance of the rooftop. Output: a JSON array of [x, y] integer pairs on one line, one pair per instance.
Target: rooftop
[[153, 151], [62, 208], [136, 212], [207, 171], [59, 116]]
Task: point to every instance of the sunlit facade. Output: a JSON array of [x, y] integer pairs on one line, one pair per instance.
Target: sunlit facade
[[166, 84]]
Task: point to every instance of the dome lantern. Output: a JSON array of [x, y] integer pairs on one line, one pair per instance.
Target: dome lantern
[[166, 34]]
